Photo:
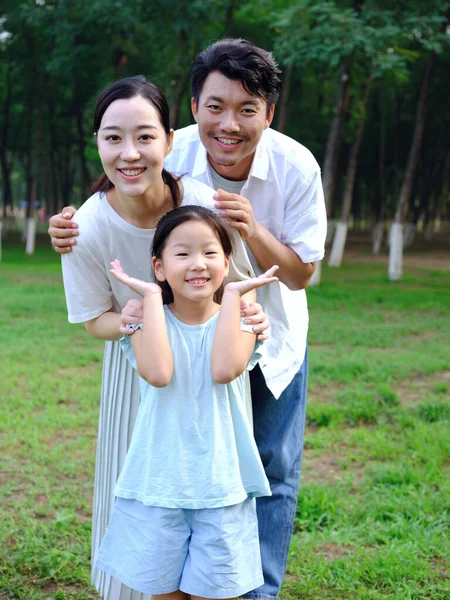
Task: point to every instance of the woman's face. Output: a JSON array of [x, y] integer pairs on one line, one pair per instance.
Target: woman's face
[[132, 145]]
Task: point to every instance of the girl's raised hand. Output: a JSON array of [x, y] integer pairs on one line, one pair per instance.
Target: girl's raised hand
[[140, 287], [242, 287]]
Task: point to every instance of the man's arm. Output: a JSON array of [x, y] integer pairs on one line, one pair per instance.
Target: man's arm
[[63, 231]]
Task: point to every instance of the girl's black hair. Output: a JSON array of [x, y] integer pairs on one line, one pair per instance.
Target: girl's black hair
[[178, 216], [130, 87], [239, 60]]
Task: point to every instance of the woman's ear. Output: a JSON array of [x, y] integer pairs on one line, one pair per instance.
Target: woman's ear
[[169, 142], [158, 269]]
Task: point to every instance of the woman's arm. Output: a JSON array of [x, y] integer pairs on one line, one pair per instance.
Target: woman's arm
[[232, 347], [105, 327]]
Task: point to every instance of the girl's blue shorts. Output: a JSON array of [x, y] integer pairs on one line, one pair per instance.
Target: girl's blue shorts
[[212, 552]]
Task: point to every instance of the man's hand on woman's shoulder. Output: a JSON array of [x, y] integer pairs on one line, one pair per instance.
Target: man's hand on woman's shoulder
[[62, 230]]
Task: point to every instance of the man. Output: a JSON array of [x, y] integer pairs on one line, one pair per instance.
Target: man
[[269, 189]]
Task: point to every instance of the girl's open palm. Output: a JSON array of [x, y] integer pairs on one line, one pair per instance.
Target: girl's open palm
[[137, 285], [242, 287]]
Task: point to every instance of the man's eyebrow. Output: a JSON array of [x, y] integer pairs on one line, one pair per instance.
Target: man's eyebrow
[[255, 102], [117, 128]]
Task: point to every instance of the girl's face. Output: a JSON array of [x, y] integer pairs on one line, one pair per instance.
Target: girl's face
[[193, 262], [132, 145]]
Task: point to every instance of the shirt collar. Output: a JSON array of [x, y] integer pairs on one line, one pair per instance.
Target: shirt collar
[[201, 162], [259, 168], [260, 164]]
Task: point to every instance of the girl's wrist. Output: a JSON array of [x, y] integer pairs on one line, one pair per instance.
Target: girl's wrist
[[153, 292], [231, 290]]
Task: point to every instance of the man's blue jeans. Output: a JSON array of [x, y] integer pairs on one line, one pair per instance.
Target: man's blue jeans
[[279, 427]]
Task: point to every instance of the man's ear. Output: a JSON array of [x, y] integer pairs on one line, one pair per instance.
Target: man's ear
[[158, 269], [269, 117], [194, 108]]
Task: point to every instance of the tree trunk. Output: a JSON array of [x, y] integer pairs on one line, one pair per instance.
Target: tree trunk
[[85, 175], [179, 81], [331, 155], [284, 100], [340, 237], [395, 261], [334, 136], [30, 222], [229, 19], [409, 234], [5, 166], [378, 232]]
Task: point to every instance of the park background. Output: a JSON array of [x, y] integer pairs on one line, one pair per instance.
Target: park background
[[366, 89]]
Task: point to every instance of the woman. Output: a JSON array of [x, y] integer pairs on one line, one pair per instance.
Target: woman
[[131, 125]]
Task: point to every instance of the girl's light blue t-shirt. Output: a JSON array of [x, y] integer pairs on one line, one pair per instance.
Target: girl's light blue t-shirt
[[192, 444]]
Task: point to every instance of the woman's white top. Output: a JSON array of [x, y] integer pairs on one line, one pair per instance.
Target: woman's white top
[[104, 236]]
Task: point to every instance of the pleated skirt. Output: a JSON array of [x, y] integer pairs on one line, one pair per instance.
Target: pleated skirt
[[119, 403]]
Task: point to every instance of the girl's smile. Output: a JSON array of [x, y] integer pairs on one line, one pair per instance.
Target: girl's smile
[[193, 263]]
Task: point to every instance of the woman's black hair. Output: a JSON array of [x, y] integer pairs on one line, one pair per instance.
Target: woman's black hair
[[130, 87], [239, 60], [178, 216]]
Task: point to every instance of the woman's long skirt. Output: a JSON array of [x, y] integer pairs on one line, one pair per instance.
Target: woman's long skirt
[[119, 404]]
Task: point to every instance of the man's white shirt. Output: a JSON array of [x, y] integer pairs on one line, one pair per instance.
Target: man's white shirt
[[284, 188]]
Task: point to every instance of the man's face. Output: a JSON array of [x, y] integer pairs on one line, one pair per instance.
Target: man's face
[[230, 124]]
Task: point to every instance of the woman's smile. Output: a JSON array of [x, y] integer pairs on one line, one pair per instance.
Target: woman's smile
[[132, 174]]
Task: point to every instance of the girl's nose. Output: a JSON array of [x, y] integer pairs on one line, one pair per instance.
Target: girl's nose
[[198, 262]]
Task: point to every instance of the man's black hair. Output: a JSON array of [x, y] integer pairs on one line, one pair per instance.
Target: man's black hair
[[239, 60]]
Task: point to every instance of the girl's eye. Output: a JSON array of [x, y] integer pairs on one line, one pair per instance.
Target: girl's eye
[[146, 138], [182, 254], [112, 138], [211, 252]]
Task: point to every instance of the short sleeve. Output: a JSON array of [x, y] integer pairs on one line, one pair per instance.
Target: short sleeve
[[240, 267], [86, 284], [305, 221], [127, 348], [256, 355]]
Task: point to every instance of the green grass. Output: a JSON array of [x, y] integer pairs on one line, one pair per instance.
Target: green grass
[[373, 514]]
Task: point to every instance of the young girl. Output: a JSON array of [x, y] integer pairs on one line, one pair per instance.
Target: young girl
[[184, 524]]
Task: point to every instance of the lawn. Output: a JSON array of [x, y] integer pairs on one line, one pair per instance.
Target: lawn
[[373, 513]]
